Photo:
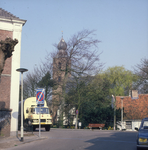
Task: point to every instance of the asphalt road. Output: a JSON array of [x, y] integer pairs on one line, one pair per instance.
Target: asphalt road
[[68, 139]]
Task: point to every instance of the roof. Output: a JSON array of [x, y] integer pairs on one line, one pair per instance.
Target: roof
[[7, 15], [134, 108], [62, 45]]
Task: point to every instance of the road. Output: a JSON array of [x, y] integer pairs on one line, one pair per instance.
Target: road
[[68, 139]]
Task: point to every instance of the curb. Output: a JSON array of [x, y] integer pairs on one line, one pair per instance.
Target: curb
[[8, 143]]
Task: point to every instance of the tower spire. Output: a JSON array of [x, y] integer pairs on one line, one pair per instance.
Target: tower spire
[[62, 34]]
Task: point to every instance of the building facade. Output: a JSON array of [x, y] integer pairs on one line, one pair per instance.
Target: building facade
[[134, 110], [10, 26]]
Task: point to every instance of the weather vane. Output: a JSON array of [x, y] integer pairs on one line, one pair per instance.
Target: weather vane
[[62, 34]]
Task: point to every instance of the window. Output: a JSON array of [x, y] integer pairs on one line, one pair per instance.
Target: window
[[59, 79], [128, 124], [59, 65]]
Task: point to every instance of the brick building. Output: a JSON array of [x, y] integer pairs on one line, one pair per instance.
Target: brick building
[[10, 26], [134, 110]]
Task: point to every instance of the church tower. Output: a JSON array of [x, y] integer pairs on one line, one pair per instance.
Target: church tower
[[61, 72], [59, 62]]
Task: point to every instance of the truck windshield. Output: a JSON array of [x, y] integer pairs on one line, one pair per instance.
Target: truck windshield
[[37, 110]]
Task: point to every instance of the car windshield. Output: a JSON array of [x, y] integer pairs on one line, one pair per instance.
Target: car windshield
[[37, 110], [144, 124]]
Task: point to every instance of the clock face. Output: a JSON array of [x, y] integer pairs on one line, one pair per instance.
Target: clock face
[[62, 40]]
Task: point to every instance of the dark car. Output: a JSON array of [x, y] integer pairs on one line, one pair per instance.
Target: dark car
[[142, 138]]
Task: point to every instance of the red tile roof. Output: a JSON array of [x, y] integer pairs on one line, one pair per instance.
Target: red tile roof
[[134, 108]]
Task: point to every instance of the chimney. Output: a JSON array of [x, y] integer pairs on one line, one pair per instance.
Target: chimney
[[134, 94]]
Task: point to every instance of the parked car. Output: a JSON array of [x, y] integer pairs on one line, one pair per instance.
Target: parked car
[[142, 138]]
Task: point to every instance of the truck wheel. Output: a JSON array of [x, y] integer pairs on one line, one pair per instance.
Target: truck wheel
[[47, 128], [19, 128], [34, 128]]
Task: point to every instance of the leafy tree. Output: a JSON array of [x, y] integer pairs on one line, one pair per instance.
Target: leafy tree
[[89, 95], [98, 114], [120, 79], [92, 95], [94, 105], [141, 70], [47, 83], [77, 89], [76, 96]]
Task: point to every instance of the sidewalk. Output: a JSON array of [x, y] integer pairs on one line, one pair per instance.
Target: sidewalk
[[13, 141]]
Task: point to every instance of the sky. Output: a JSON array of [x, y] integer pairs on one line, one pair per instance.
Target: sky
[[121, 26]]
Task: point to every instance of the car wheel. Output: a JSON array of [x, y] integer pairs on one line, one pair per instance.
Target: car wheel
[[138, 148]]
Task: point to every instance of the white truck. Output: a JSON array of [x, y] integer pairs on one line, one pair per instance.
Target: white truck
[[32, 113]]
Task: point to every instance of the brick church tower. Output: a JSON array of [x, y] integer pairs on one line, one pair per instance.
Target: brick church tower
[[61, 67], [10, 27]]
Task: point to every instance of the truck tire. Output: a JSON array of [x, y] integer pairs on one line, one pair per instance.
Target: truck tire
[[19, 128], [34, 128], [47, 128]]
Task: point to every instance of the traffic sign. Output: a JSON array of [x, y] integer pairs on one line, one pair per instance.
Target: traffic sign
[[40, 96], [77, 111]]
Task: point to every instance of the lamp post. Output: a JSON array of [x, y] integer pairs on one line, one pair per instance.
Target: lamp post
[[21, 70], [114, 106], [122, 112]]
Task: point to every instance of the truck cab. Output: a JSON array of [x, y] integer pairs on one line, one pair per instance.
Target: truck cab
[[33, 112], [45, 117]]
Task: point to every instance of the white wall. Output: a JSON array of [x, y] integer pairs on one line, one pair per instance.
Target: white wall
[[135, 123], [15, 78]]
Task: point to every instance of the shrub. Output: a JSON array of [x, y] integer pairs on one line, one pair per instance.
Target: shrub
[[110, 128]]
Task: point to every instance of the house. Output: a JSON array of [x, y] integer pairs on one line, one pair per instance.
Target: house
[[10, 27], [134, 110]]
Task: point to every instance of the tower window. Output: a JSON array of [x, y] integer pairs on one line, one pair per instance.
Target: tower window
[[59, 79], [59, 65]]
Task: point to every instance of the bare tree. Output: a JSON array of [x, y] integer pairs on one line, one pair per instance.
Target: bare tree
[[82, 53], [33, 79], [141, 70], [79, 57], [30, 83]]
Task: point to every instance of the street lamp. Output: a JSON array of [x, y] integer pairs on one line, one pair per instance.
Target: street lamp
[[122, 112], [22, 70], [114, 106]]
